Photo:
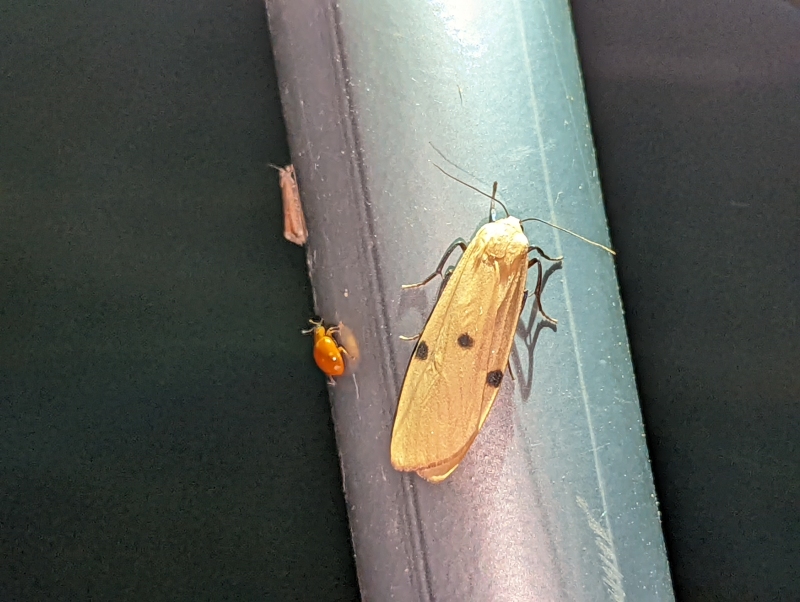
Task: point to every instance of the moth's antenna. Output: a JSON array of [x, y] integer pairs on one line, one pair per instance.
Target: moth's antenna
[[591, 242], [492, 197], [530, 219], [458, 167]]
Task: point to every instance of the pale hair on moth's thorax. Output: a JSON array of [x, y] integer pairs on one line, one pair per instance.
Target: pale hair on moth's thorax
[[501, 238]]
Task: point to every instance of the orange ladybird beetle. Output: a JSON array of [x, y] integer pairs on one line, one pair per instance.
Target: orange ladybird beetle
[[327, 352]]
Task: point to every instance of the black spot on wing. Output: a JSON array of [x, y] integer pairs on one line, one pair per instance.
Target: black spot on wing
[[465, 341], [421, 353], [494, 378]]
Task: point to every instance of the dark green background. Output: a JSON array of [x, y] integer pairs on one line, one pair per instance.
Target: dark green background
[[164, 433]]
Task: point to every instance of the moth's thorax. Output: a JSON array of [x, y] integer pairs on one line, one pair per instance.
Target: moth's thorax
[[501, 238]]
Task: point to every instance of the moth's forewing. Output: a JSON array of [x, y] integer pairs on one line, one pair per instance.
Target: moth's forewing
[[294, 222], [457, 368]]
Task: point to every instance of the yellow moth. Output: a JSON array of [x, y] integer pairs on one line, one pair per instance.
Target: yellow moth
[[294, 222], [462, 354]]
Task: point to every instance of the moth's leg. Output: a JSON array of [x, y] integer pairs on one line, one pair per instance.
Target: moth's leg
[[543, 254], [538, 292], [331, 382], [459, 242], [445, 278]]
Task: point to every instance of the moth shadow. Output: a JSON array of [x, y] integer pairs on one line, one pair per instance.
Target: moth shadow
[[418, 300], [415, 301], [529, 332]]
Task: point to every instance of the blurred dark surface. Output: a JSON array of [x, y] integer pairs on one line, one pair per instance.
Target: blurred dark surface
[[695, 115], [164, 432]]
